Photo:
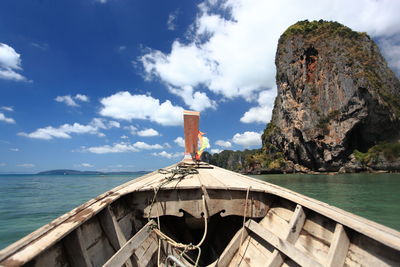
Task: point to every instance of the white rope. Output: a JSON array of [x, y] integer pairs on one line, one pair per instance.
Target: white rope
[[186, 247], [176, 174], [244, 215]]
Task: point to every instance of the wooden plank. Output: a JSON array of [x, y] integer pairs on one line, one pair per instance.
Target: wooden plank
[[112, 230], [122, 255], [293, 231], [148, 254], [189, 181], [339, 247], [296, 224], [275, 223], [276, 259], [42, 239], [226, 178], [38, 241], [108, 223], [236, 180], [251, 253], [379, 232], [209, 182], [76, 249], [231, 248], [282, 245]]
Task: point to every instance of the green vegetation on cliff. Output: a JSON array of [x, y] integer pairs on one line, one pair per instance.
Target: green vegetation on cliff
[[229, 159], [322, 28], [247, 161], [391, 152], [336, 97]]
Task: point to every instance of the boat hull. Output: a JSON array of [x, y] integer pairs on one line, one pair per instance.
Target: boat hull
[[217, 217]]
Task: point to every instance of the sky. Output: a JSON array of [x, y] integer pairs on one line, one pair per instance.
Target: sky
[[101, 84]]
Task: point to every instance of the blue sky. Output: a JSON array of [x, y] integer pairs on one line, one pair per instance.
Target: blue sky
[[101, 85]]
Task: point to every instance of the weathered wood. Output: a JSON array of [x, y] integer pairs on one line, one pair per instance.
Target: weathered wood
[[283, 246], [315, 238], [148, 253], [386, 235], [253, 252], [35, 243], [174, 201], [295, 225], [122, 255], [231, 248], [113, 231], [76, 249], [339, 247]]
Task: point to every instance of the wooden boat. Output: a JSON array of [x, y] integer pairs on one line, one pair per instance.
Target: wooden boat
[[197, 214]]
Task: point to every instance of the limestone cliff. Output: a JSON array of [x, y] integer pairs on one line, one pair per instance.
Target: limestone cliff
[[336, 95]]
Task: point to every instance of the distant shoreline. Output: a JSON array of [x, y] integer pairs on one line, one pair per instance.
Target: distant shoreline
[[76, 172]]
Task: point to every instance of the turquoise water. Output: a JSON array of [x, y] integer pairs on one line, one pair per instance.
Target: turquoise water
[[27, 202], [373, 196]]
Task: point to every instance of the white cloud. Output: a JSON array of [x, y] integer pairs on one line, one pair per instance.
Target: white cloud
[[180, 141], [391, 51], [41, 46], [223, 143], [263, 112], [69, 100], [166, 145], [14, 149], [233, 54], [247, 139], [216, 150], [83, 98], [132, 129], [101, 1], [125, 106], [171, 23], [10, 63], [5, 119], [113, 124], [104, 124], [85, 165], [116, 148], [26, 165], [148, 132], [182, 70], [121, 147], [65, 130], [7, 108], [167, 155], [198, 101], [143, 145], [124, 137]]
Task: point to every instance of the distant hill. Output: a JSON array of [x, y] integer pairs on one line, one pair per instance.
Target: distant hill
[[75, 172]]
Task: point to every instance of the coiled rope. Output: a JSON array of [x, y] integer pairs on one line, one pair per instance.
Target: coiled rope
[[177, 173]]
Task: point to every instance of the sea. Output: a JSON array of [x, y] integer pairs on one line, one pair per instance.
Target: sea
[[28, 202]]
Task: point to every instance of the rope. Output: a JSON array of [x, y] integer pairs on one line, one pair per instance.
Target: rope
[[187, 247], [178, 173], [244, 214], [243, 229]]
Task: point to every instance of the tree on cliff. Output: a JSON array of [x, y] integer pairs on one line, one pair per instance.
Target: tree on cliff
[[337, 108], [336, 95]]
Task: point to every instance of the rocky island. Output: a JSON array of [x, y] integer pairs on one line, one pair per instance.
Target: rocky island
[[337, 107]]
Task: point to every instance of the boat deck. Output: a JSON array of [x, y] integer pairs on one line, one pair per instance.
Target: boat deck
[[281, 228]]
